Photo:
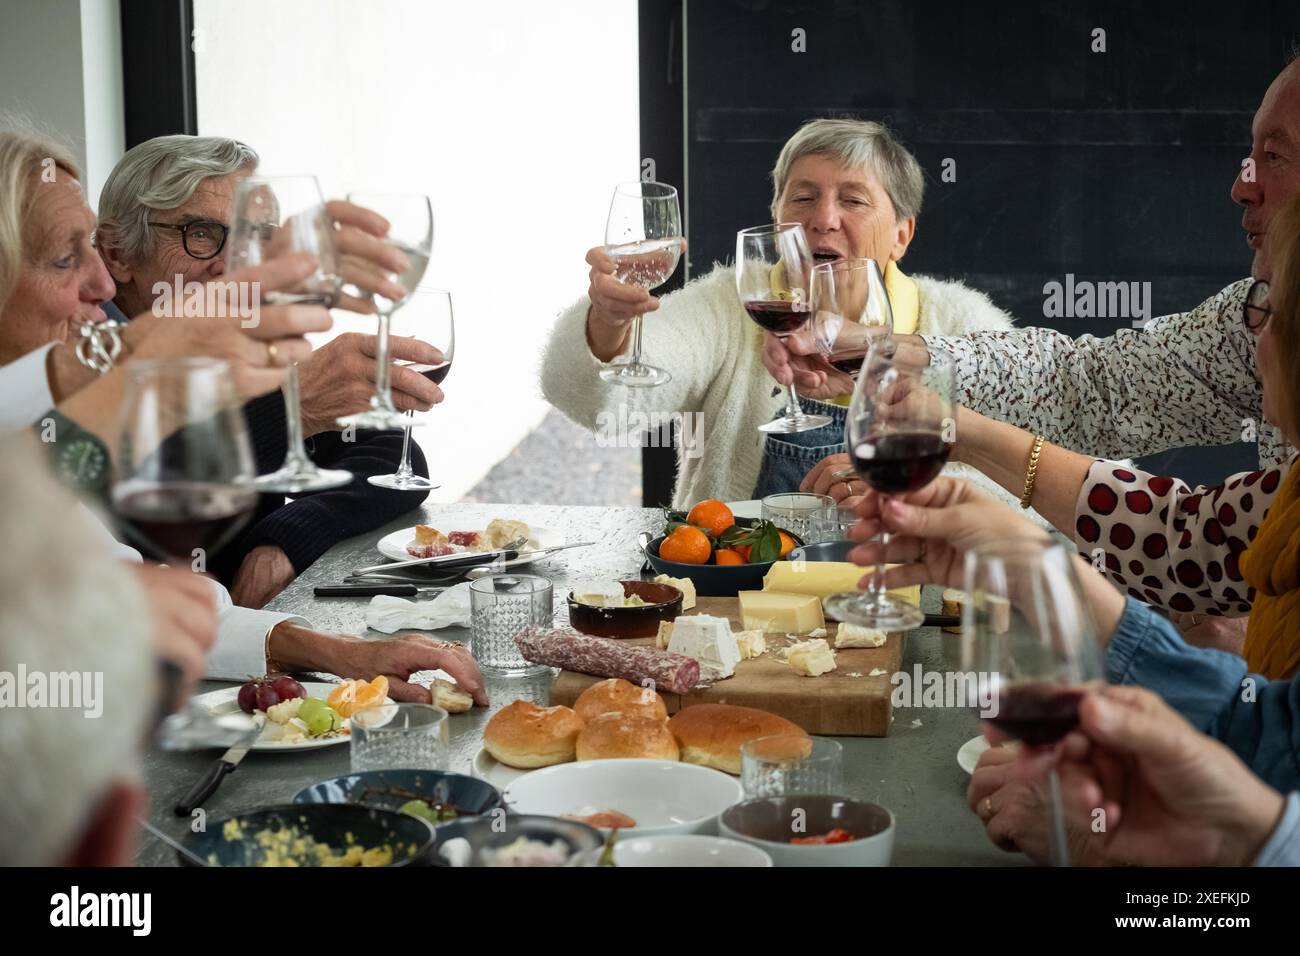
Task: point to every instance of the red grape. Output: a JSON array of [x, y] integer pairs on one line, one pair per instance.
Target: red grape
[[288, 688], [266, 696], [248, 696]]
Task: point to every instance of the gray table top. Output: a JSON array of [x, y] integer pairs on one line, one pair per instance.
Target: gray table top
[[913, 771]]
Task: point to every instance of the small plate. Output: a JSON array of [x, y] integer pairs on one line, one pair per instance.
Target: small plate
[[393, 546], [487, 767], [226, 701]]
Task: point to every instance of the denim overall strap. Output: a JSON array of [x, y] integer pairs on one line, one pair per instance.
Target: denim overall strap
[[787, 458]]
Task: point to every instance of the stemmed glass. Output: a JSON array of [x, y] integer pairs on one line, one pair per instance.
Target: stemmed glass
[[643, 235], [773, 273], [900, 429], [183, 471], [410, 229], [851, 312], [428, 316], [275, 215], [1028, 632]]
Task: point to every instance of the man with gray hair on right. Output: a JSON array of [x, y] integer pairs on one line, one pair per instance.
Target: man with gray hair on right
[[77, 679]]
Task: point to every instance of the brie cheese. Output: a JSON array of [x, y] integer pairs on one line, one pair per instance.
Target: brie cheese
[[709, 640], [812, 658], [854, 635]]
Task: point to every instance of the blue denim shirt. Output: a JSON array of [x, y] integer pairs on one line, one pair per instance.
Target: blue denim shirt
[[787, 458]]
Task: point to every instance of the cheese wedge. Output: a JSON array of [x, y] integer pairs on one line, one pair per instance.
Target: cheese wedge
[[854, 635], [953, 600], [751, 644], [774, 612], [685, 585], [665, 635], [824, 578], [709, 640], [812, 658]]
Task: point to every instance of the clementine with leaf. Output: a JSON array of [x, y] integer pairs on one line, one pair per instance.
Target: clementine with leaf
[[686, 545], [711, 515], [728, 556]]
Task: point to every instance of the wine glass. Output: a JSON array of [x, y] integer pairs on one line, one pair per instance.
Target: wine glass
[[275, 215], [643, 235], [851, 311], [899, 431], [773, 273], [183, 472], [1029, 636], [410, 229], [428, 316]]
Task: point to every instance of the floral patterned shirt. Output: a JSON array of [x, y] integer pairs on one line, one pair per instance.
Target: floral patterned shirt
[[1170, 545], [1184, 379]]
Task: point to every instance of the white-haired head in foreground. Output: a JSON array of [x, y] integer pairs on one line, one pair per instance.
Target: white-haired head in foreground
[[70, 786]]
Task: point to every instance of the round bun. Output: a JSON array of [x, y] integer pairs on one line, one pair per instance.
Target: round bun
[[527, 736], [711, 734], [617, 696], [626, 735]]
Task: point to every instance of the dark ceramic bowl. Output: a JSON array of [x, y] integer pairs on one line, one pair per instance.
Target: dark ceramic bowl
[[331, 823], [766, 823], [663, 602], [386, 789], [826, 551], [712, 580], [495, 832]]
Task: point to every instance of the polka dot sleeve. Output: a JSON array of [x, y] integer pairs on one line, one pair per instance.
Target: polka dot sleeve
[[1169, 545]]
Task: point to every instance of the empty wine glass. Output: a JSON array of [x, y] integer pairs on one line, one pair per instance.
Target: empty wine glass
[[427, 316], [183, 471], [1029, 633], [851, 311], [410, 229], [773, 275], [643, 235], [899, 431], [275, 215]]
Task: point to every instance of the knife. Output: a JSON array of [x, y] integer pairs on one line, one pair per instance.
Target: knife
[[207, 785], [370, 590], [467, 560]]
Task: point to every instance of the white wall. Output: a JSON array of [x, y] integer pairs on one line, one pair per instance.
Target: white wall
[[516, 117], [61, 64]]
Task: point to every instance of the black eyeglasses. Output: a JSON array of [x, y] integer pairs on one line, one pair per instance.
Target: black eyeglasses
[[1257, 311], [202, 239]]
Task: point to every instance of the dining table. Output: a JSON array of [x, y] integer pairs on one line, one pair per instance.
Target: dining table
[[913, 771]]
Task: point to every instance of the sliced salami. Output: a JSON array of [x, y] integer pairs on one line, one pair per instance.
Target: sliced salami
[[603, 657]]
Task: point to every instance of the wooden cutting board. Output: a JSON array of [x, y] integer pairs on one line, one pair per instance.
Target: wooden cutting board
[[846, 702]]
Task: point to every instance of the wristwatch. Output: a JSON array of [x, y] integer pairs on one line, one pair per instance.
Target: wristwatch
[[78, 457]]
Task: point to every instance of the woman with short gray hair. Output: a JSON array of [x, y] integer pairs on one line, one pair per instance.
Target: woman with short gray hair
[[857, 192]]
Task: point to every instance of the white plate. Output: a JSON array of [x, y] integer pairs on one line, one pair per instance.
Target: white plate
[[746, 509], [226, 701], [969, 753], [487, 767], [393, 546], [663, 796]]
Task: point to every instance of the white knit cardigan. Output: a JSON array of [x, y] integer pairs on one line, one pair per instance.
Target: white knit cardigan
[[702, 335]]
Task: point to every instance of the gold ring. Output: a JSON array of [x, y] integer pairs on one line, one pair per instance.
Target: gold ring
[[272, 354], [988, 807]]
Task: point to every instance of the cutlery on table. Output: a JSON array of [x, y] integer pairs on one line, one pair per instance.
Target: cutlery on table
[[357, 589], [207, 785], [463, 561]]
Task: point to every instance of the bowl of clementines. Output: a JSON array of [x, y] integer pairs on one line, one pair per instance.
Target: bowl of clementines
[[720, 553]]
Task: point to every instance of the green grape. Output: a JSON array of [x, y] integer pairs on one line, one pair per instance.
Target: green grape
[[320, 721], [310, 706]]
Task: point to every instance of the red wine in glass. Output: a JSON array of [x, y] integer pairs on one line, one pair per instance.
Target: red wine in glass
[[434, 373], [900, 462], [849, 364], [1038, 713], [176, 518], [778, 316]]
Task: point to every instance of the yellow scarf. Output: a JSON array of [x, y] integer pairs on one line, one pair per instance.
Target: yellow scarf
[[1271, 565], [904, 301]]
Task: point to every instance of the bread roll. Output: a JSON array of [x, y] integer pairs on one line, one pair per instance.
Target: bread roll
[[448, 695], [618, 696], [711, 734], [611, 736], [527, 736]]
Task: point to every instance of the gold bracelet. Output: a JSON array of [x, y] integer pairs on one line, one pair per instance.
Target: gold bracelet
[[1031, 473]]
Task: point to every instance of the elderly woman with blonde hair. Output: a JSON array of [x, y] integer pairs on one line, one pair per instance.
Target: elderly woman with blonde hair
[[857, 192]]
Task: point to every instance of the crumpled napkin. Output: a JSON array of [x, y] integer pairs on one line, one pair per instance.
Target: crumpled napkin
[[449, 609]]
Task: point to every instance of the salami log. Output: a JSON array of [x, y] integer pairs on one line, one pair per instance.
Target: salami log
[[566, 648]]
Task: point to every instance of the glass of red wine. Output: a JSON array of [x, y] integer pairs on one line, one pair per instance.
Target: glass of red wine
[[410, 229], [899, 431], [851, 311], [428, 316], [643, 235], [183, 472], [275, 215], [773, 279], [1029, 636]]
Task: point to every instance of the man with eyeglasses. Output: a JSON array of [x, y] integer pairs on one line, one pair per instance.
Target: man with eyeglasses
[[164, 217]]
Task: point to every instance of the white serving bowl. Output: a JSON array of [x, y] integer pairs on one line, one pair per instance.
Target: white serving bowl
[[690, 849], [662, 796], [768, 823]]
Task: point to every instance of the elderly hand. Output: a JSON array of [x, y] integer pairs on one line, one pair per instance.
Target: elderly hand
[[796, 360], [183, 611], [339, 377], [264, 573], [1151, 789], [367, 261], [821, 480], [614, 305]]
